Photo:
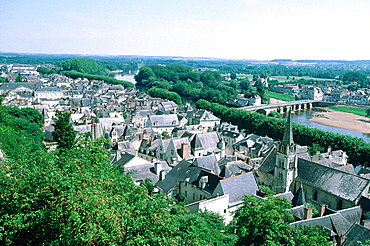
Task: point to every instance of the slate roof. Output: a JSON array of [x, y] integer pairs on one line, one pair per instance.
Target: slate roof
[[333, 181], [357, 233], [338, 223], [205, 141], [347, 168], [239, 186], [233, 168], [145, 171], [268, 163], [13, 86], [48, 89], [208, 162], [176, 175], [186, 171], [163, 120], [124, 146]]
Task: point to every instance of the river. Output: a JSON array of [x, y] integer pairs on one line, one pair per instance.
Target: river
[[303, 118]]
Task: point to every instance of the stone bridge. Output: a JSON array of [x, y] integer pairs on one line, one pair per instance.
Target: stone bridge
[[283, 107]]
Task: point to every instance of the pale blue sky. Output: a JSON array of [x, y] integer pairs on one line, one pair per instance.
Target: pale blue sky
[[240, 29]]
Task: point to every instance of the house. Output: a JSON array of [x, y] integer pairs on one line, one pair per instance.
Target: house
[[204, 118], [311, 93], [154, 171], [162, 123], [168, 107], [49, 93], [207, 144]]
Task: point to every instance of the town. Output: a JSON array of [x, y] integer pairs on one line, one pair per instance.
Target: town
[[193, 156]]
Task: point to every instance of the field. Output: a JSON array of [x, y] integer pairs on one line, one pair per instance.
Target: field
[[348, 109], [279, 96]]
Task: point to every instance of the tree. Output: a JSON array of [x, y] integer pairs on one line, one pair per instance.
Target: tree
[[83, 65], [202, 228], [19, 78], [64, 133], [264, 222], [145, 73], [368, 112]]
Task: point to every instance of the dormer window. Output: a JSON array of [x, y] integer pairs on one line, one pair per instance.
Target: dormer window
[[155, 123], [174, 122]]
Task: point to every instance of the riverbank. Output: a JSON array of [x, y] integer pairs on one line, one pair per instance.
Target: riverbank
[[343, 120]]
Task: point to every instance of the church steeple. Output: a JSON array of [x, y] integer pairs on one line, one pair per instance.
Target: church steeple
[[286, 160], [287, 145], [288, 133]]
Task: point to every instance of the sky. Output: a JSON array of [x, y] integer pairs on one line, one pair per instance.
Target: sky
[[232, 29]]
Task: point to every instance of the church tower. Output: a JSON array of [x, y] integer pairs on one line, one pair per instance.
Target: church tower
[[286, 160]]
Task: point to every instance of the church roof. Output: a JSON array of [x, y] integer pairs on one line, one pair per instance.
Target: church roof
[[330, 180]]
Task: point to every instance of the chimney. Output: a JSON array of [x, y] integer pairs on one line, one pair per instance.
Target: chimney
[[322, 210], [307, 213], [157, 167], [184, 151], [329, 149], [342, 238], [248, 160], [141, 137], [203, 182], [118, 155]]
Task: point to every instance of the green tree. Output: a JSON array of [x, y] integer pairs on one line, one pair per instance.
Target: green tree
[[64, 133], [202, 228], [19, 78], [75, 197], [264, 222], [145, 75], [83, 65], [368, 112]]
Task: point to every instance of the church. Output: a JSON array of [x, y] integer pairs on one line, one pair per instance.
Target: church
[[326, 181]]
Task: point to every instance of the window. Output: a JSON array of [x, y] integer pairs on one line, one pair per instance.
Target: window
[[186, 194], [314, 196], [340, 205], [193, 196]]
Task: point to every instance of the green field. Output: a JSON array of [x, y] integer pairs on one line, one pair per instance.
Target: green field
[[346, 109], [279, 96]]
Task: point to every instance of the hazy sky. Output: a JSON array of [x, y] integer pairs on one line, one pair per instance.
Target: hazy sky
[[240, 29]]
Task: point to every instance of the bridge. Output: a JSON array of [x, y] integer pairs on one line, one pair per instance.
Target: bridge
[[283, 107]]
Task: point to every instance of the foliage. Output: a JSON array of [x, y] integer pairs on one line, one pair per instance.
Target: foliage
[[3, 80], [354, 76], [44, 70], [368, 112], [165, 94], [76, 197], [185, 82], [264, 222], [64, 133], [202, 228], [19, 78], [20, 130], [165, 134], [148, 184], [83, 65]]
